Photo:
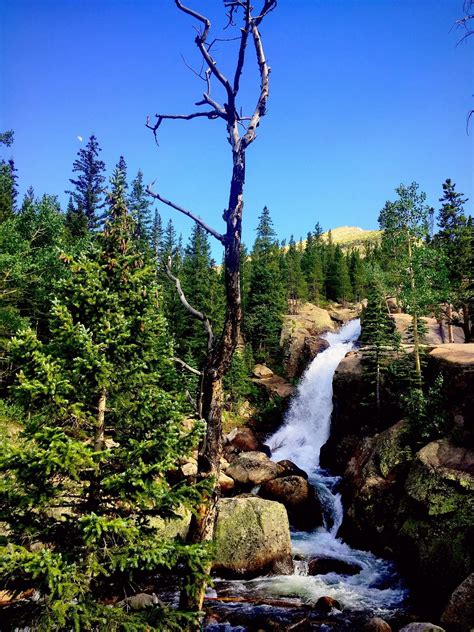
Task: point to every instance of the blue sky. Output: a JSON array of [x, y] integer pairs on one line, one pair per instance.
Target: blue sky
[[365, 94]]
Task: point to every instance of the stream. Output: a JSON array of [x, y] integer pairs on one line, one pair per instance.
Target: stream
[[376, 590]]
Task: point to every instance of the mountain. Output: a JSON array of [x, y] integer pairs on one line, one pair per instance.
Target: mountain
[[353, 237]]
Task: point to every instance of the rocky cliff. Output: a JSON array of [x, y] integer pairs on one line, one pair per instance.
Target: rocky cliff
[[413, 502]]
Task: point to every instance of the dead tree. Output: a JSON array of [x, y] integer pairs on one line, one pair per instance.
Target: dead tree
[[241, 132]]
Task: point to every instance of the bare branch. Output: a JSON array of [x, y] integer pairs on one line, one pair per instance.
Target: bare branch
[[201, 44], [184, 211], [194, 312], [187, 366], [242, 48], [264, 70]]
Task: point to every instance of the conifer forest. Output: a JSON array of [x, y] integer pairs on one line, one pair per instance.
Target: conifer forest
[[230, 426]]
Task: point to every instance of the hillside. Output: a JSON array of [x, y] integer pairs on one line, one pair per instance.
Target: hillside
[[353, 236]]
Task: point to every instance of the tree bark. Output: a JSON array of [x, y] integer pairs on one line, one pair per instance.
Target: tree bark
[[99, 444]]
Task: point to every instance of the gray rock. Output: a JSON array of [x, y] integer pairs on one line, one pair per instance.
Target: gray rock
[[459, 613], [252, 468]]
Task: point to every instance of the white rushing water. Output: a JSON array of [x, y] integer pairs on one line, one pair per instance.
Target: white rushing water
[[305, 430]]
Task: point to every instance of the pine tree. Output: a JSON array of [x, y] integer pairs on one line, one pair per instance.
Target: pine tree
[[266, 302], [378, 337], [312, 265], [296, 286], [8, 181], [88, 191], [454, 238], [358, 275], [156, 236], [88, 480], [201, 285], [140, 208]]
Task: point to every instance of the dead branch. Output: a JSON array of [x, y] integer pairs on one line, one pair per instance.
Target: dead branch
[[194, 312], [195, 218], [187, 366]]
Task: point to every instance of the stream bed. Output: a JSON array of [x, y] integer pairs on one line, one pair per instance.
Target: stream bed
[[289, 602]]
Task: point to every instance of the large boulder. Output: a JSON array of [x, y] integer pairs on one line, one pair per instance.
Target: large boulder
[[458, 615], [252, 537], [376, 624], [252, 468], [304, 509]]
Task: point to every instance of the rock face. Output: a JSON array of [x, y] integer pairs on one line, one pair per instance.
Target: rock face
[[242, 440], [252, 537], [459, 613], [300, 337], [415, 503], [252, 468], [436, 332], [304, 509], [377, 625]]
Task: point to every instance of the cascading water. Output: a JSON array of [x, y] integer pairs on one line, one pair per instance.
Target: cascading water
[[306, 428]]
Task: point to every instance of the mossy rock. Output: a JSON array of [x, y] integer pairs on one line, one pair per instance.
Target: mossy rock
[[252, 537]]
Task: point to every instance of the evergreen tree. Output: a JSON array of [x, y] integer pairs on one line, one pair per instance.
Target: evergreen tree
[[454, 238], [203, 289], [88, 479], [88, 191], [358, 275], [8, 181], [266, 301], [296, 286], [140, 209], [378, 337], [312, 266], [156, 236]]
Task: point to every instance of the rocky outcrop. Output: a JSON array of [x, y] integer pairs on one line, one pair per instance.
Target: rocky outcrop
[[410, 502], [300, 337], [275, 386], [297, 495], [252, 537], [459, 613], [262, 371]]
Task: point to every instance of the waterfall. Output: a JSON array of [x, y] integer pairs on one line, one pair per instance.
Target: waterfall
[[307, 423], [377, 587]]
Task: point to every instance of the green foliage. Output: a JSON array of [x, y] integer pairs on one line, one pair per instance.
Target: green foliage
[[238, 384], [379, 338], [83, 485], [425, 412], [266, 302], [88, 191]]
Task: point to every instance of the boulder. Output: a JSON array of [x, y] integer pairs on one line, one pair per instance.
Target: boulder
[[252, 537], [242, 440], [459, 613], [140, 601], [342, 315], [436, 332], [261, 371], [304, 510], [325, 565], [275, 386], [252, 468], [326, 604], [290, 468], [422, 627], [376, 624]]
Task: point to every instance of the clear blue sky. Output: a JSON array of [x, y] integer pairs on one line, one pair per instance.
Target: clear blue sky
[[365, 94]]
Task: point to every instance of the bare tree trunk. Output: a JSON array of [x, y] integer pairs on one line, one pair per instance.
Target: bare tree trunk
[[241, 132], [99, 444], [450, 322]]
